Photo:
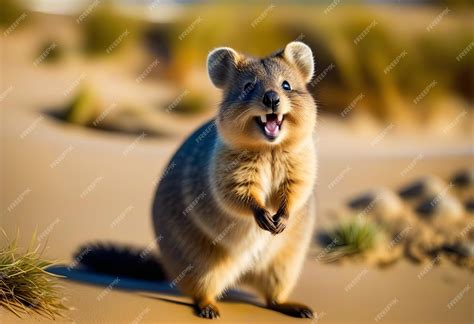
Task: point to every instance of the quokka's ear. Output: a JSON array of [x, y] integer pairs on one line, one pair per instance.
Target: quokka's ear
[[220, 64], [300, 55]]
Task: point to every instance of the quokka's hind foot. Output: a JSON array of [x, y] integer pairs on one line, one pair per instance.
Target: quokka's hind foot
[[292, 309], [207, 310]]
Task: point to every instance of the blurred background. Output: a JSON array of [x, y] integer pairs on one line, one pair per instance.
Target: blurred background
[[97, 95]]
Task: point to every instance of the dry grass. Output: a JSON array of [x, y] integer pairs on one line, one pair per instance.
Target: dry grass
[[26, 287]]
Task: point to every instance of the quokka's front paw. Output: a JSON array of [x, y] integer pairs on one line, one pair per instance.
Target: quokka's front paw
[[280, 220], [265, 220]]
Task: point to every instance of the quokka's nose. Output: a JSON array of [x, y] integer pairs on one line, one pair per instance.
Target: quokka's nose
[[271, 99]]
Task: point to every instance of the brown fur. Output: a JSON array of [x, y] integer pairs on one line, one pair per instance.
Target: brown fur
[[234, 206]]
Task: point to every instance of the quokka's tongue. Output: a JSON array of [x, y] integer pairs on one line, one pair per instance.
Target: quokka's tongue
[[271, 127]]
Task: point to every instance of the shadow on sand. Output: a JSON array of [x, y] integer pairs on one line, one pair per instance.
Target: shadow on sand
[[144, 288]]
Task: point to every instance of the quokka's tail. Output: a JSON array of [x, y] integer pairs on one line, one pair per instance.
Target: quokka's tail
[[120, 260]]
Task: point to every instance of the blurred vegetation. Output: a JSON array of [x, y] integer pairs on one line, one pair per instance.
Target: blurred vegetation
[[191, 104], [419, 56], [358, 50], [107, 31], [10, 11]]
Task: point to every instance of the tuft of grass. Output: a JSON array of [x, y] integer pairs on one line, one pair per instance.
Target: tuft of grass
[[84, 108], [25, 285], [351, 237]]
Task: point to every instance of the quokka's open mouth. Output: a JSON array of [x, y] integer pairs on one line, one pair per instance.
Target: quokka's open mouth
[[270, 124]]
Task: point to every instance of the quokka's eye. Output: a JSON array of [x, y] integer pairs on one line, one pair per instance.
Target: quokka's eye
[[248, 86], [286, 86]]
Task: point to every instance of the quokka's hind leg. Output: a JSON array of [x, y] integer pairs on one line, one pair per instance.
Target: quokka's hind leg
[[277, 278], [205, 285], [206, 307], [275, 283], [204, 289]]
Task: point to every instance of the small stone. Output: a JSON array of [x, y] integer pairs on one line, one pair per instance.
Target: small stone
[[463, 178], [413, 190], [469, 204], [423, 187], [361, 202], [445, 206]]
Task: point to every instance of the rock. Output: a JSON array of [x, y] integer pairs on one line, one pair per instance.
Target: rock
[[446, 206], [469, 205], [463, 178], [423, 187], [413, 190], [464, 249], [362, 201]]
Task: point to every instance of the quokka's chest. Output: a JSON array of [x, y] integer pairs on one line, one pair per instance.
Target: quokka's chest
[[270, 177]]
